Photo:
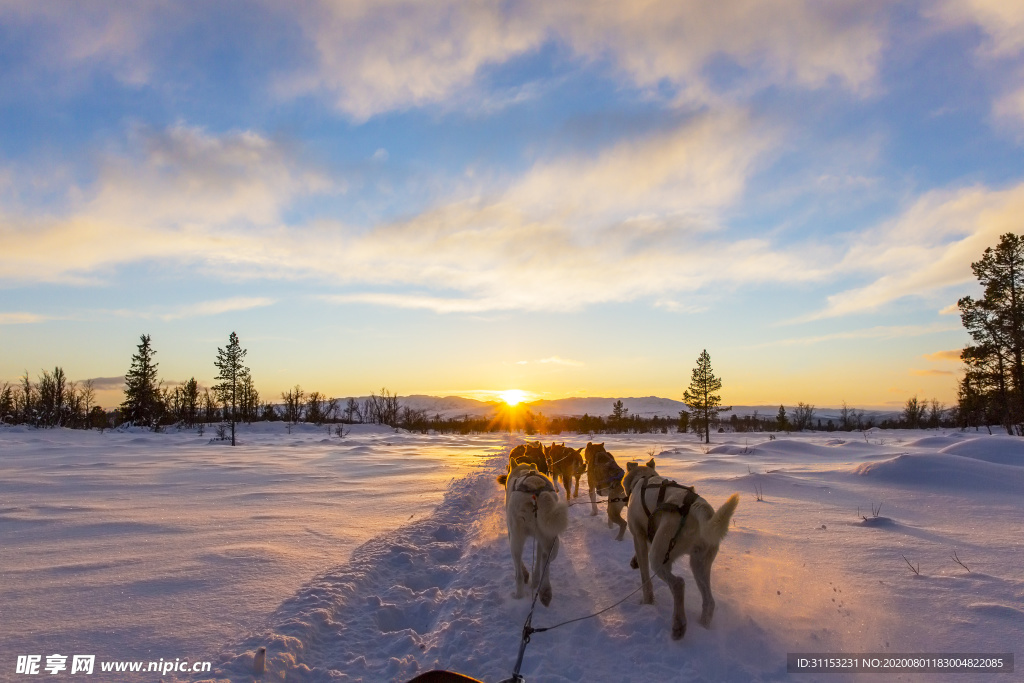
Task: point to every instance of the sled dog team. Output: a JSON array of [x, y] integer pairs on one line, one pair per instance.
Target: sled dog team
[[667, 520]]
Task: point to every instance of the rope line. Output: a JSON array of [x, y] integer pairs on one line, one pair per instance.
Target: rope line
[[616, 604]]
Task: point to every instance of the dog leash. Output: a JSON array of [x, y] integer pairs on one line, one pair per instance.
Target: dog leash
[[528, 629]]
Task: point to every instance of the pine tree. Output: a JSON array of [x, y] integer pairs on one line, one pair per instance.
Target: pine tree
[[232, 375], [619, 412], [141, 404], [781, 420], [996, 323], [701, 396], [190, 402]]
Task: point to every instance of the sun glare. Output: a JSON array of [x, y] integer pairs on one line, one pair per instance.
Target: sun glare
[[512, 396]]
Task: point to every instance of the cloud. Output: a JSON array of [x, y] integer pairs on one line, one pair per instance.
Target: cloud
[[1002, 27], [950, 355], [555, 360], [1008, 108], [877, 332], [931, 373], [374, 57], [642, 218], [21, 318], [178, 195], [217, 307], [431, 303], [107, 383], [926, 249], [638, 219], [71, 39], [1001, 22], [952, 309]]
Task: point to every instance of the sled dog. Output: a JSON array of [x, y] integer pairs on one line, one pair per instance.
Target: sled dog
[[674, 521], [532, 508], [532, 453], [604, 477], [566, 464]]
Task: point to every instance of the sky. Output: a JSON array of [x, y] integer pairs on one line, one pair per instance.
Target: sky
[[463, 197]]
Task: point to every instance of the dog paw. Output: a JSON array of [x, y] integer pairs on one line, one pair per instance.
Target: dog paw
[[594, 513], [633, 563], [705, 617], [678, 629], [545, 596]]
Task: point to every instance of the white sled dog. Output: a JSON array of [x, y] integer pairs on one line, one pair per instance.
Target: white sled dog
[[675, 521], [532, 508]]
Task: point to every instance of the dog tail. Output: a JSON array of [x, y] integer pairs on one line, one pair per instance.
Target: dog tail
[[552, 513], [718, 525], [503, 479]]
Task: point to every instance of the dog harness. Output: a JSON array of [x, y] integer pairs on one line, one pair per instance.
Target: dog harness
[[661, 506], [614, 477]]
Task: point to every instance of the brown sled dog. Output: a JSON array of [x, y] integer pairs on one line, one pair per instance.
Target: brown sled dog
[[676, 521], [532, 453], [532, 508], [564, 464], [604, 477]]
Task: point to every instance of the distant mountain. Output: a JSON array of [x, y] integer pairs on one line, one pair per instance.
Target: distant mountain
[[645, 406], [448, 406]]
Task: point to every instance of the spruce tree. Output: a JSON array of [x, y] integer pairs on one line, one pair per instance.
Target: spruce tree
[[233, 376], [996, 323], [141, 404], [781, 420], [701, 396]]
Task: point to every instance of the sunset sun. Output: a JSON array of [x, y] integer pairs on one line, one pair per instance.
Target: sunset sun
[[512, 396]]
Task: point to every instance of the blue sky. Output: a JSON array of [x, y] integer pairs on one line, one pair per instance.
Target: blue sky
[[463, 197]]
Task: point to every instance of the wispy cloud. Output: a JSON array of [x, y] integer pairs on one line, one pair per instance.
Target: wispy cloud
[[377, 57], [374, 57], [555, 360], [641, 218], [932, 373], [949, 355], [108, 383], [176, 196], [217, 307], [952, 309], [21, 318], [926, 249], [638, 219], [431, 303], [877, 332], [1008, 108], [1002, 23]]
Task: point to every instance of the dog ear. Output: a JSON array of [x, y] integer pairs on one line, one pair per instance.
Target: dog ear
[[631, 466], [579, 450], [650, 463], [601, 445]]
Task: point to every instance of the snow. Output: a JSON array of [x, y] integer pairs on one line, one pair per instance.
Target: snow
[[384, 554]]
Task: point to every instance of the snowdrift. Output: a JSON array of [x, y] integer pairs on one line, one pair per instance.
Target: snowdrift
[[941, 470]]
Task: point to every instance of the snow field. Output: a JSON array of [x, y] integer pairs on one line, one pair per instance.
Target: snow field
[[217, 546]]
